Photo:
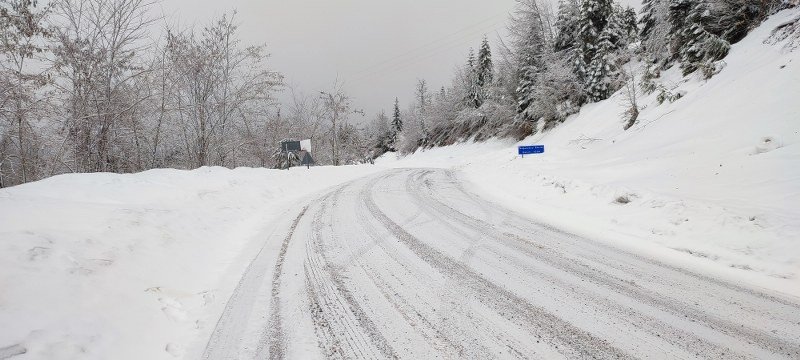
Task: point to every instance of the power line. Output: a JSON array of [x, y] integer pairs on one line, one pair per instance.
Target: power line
[[422, 51], [424, 56], [436, 41]]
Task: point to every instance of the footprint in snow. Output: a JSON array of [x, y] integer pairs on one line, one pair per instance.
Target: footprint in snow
[[173, 309]]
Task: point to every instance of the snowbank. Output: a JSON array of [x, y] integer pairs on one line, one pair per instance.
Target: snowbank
[[105, 266], [714, 176]]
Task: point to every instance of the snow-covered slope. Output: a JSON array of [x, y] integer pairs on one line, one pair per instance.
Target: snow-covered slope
[[104, 266], [713, 176]]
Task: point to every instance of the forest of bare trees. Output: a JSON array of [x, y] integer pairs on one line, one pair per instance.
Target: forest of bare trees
[[86, 86]]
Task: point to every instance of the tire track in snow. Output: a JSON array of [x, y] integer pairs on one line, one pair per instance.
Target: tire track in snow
[[527, 226], [435, 335], [574, 341], [343, 327], [276, 339], [12, 351], [229, 332], [390, 269], [653, 327], [573, 266], [675, 336]]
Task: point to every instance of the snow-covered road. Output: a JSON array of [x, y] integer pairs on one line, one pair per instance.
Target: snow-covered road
[[410, 264]]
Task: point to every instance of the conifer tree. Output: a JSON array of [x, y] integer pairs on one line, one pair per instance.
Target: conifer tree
[[471, 59], [654, 31], [678, 14], [622, 27], [567, 25], [600, 70], [594, 16], [531, 45], [693, 45], [472, 97], [483, 75], [397, 123], [485, 72], [648, 19], [592, 67]]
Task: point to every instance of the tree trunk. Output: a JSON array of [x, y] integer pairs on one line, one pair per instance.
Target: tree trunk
[[21, 140]]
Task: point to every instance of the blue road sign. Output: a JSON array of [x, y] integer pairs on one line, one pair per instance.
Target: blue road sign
[[533, 149]]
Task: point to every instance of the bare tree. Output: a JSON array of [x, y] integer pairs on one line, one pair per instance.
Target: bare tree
[[22, 42], [630, 97], [221, 86], [423, 103], [96, 58], [338, 107]]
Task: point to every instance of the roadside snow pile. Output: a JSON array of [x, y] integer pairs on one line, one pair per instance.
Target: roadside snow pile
[[105, 266], [713, 176]]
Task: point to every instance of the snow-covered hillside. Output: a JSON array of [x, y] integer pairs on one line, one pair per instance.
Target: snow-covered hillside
[[713, 176], [134, 266]]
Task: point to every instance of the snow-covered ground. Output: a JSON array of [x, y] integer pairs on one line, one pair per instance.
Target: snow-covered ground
[[141, 266], [410, 264], [136, 266], [714, 175]]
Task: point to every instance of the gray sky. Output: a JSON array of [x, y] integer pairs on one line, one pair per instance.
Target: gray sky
[[378, 48]]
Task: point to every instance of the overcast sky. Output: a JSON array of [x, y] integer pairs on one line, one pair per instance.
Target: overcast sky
[[378, 48]]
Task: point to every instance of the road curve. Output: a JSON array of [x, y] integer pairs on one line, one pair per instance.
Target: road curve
[[408, 264]]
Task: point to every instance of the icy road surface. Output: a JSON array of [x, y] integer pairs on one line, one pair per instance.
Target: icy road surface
[[407, 264]]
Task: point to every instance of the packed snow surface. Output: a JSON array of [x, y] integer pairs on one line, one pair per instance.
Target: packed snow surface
[[412, 264]]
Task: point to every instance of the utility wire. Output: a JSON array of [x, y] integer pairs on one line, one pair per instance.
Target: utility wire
[[463, 40]]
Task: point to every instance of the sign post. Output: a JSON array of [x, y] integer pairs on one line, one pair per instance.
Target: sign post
[[530, 149]]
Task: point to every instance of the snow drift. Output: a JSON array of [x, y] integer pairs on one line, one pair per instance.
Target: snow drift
[[136, 266]]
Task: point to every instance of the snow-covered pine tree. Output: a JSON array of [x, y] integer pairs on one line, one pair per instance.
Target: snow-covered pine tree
[[483, 74], [547, 87], [733, 19], [623, 26], [397, 124], [630, 23], [648, 82], [530, 46], [567, 25], [654, 31], [703, 48], [594, 18], [693, 44], [647, 21], [525, 92], [485, 67], [601, 71], [678, 20], [472, 97], [471, 59]]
